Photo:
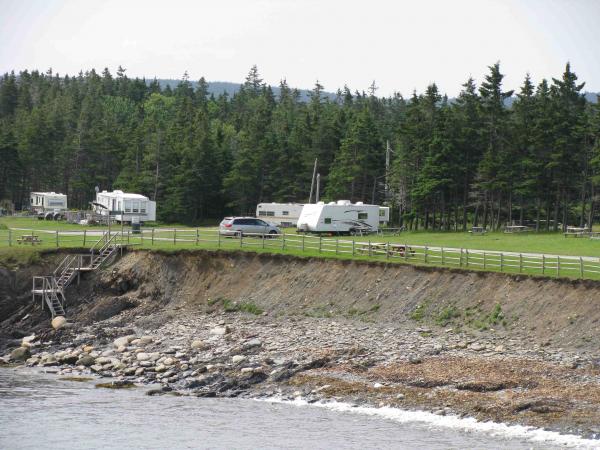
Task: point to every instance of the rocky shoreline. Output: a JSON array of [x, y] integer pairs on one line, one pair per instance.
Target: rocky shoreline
[[488, 376]]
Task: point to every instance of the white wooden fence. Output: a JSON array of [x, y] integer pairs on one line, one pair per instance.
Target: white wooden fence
[[359, 248]]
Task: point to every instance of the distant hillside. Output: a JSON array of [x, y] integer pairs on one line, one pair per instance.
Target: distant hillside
[[219, 87]]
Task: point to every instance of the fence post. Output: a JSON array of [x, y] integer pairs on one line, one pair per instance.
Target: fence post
[[483, 260], [283, 241], [152, 238], [558, 266], [197, 235], [442, 255], [387, 250], [425, 254], [405, 251], [218, 238], [466, 257], [520, 262], [460, 258], [263, 239], [56, 237], [320, 243], [353, 246], [543, 264], [581, 267], [174, 236], [337, 243], [9, 237], [303, 236], [501, 261], [370, 249], [84, 236], [241, 239]]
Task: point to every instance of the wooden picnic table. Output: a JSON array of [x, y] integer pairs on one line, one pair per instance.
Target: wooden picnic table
[[29, 239], [516, 229], [577, 232], [477, 230], [381, 248]]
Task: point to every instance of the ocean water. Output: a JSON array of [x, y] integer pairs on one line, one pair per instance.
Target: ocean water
[[40, 410]]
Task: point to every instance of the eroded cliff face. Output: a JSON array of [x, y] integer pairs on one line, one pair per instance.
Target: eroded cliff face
[[492, 346], [563, 313]]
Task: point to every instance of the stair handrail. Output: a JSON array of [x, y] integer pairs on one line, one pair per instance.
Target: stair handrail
[[64, 265], [102, 240]]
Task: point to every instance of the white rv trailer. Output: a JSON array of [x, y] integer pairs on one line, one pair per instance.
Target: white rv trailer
[[281, 214], [125, 207], [341, 217], [384, 215], [42, 202]]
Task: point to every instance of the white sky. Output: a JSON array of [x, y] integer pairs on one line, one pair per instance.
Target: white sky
[[402, 45]]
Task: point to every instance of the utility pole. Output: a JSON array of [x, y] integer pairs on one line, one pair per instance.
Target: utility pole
[[312, 183], [387, 169], [318, 187]]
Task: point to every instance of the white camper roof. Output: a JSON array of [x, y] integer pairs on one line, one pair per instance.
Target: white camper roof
[[118, 193], [49, 193]]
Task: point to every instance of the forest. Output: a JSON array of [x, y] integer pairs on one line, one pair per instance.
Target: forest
[[453, 163]]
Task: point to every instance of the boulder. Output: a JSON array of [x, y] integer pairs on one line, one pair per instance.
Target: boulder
[[238, 359], [86, 360], [220, 331], [145, 340], [28, 340], [143, 356], [199, 345], [58, 322], [123, 341], [20, 354]]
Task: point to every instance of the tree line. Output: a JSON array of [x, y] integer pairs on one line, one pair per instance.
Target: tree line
[[471, 160]]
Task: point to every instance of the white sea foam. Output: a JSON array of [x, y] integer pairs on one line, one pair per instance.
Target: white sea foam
[[464, 424]]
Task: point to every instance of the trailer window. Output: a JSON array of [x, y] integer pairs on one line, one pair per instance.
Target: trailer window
[[327, 220], [143, 207], [136, 206], [382, 213], [127, 206], [363, 216], [262, 213], [285, 213]]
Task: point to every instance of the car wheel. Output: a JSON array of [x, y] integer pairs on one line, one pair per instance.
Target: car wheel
[[273, 233]]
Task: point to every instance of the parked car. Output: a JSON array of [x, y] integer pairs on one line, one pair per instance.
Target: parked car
[[240, 226]]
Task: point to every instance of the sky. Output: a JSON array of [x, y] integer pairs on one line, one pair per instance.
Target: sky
[[401, 45]]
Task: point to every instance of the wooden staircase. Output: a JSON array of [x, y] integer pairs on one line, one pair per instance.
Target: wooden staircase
[[51, 289]]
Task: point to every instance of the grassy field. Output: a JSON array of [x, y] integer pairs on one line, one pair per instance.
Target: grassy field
[[175, 237]]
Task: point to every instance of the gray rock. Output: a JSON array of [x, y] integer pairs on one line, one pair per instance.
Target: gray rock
[[220, 331], [199, 345], [123, 341], [86, 360], [20, 354]]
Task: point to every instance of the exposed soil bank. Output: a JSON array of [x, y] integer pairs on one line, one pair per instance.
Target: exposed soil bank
[[499, 347]]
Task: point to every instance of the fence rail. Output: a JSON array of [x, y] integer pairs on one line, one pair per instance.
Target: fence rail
[[488, 260]]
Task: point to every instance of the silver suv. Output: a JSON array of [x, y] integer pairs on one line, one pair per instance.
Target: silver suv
[[240, 226]]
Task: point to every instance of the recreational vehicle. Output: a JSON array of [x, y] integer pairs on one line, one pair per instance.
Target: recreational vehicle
[[282, 214], [125, 207], [384, 215], [341, 217], [43, 202]]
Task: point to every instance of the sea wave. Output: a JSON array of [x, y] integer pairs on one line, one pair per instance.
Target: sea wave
[[464, 424]]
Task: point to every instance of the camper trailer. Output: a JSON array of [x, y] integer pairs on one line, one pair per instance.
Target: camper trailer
[[341, 217], [384, 215], [44, 202], [125, 207], [281, 214]]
